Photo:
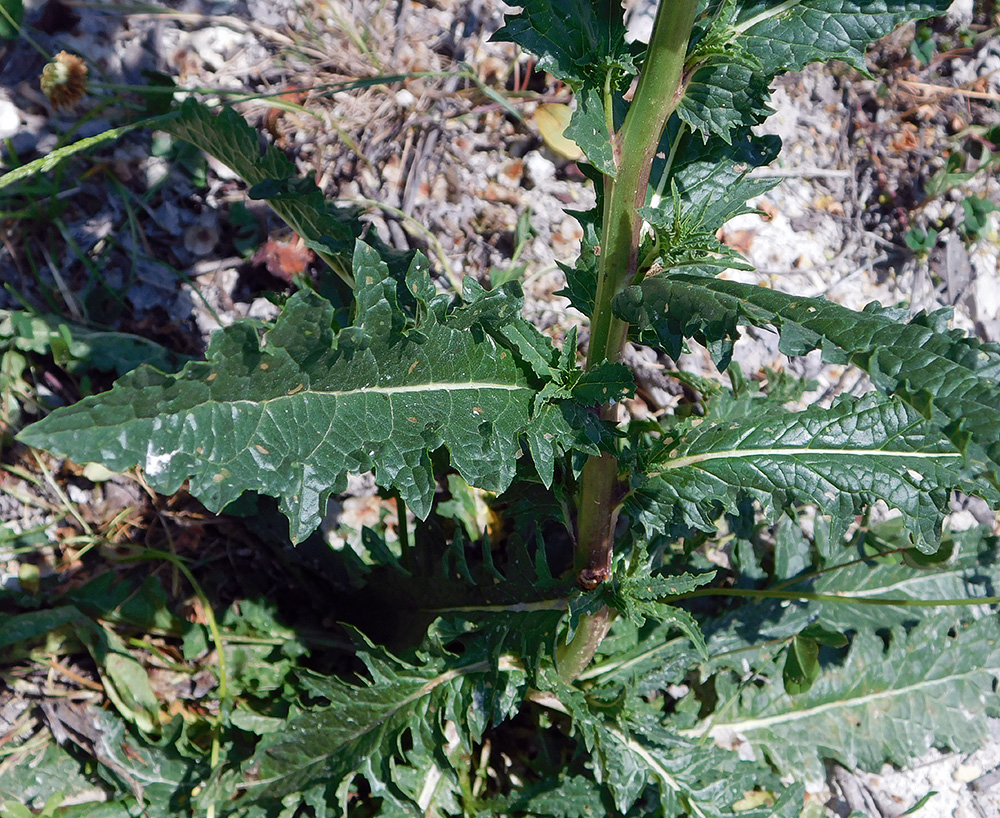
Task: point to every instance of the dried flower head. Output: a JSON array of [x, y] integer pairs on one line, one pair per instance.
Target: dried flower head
[[64, 80]]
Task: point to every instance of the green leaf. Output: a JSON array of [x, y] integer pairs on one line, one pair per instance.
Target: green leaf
[[690, 777], [748, 634], [973, 570], [581, 277], [640, 597], [559, 427], [712, 178], [843, 459], [131, 601], [52, 159], [801, 665], [329, 230], [33, 774], [930, 687], [603, 384], [11, 15], [124, 678], [581, 42], [723, 98], [943, 374], [735, 56], [360, 730], [157, 775], [787, 36], [79, 349], [30, 626], [977, 211], [292, 413], [568, 796], [646, 660], [824, 636]]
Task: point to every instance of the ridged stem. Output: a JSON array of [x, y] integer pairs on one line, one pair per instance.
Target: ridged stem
[[659, 90]]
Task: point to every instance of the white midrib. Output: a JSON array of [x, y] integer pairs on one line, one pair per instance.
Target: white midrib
[[746, 25], [436, 386], [749, 725], [402, 389], [729, 454]]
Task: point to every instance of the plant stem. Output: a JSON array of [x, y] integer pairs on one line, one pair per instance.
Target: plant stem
[[657, 94]]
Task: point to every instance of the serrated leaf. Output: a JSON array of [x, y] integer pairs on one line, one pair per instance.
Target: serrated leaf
[[691, 778], [588, 127], [157, 775], [646, 660], [536, 349], [943, 374], [581, 277], [568, 796], [329, 230], [359, 731], [711, 177], [724, 98], [34, 774], [292, 413], [748, 633], [640, 597], [787, 36], [559, 427], [582, 43], [842, 459], [605, 383], [974, 571], [933, 686], [735, 61]]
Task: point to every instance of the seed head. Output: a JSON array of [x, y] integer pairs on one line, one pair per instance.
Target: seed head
[[64, 80]]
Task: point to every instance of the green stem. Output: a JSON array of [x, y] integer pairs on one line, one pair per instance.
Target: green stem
[[659, 90], [572, 659]]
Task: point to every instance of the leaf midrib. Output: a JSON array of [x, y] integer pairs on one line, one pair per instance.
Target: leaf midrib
[[857, 701], [424, 690], [729, 454]]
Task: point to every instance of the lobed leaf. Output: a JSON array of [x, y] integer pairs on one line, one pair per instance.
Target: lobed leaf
[[291, 413], [945, 375], [582, 43], [361, 728], [329, 230], [711, 178], [723, 98], [843, 459], [690, 777], [737, 54], [788, 36], [930, 687]]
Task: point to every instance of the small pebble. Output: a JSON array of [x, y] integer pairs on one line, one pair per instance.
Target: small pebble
[[10, 119]]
